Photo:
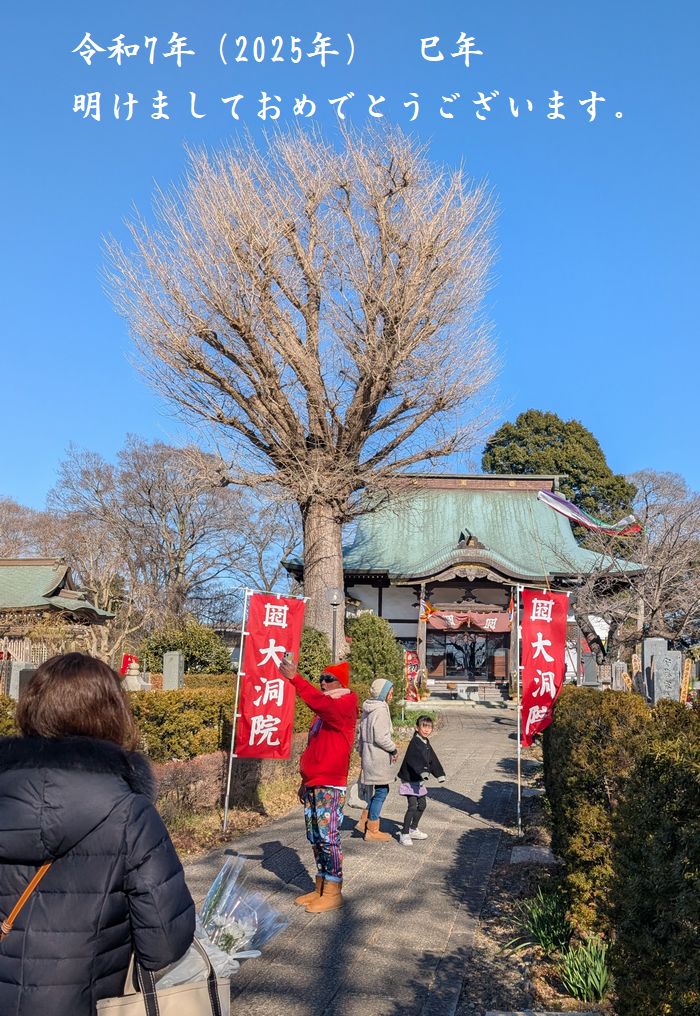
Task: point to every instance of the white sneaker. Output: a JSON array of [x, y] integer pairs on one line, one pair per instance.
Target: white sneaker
[[405, 840], [416, 834]]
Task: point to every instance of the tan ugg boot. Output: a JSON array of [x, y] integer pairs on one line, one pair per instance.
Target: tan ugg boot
[[330, 899], [301, 901], [362, 823], [372, 832]]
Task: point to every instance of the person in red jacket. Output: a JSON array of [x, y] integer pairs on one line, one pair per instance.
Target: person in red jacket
[[324, 775]]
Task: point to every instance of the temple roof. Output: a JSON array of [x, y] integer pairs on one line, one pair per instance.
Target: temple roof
[[441, 524], [35, 583]]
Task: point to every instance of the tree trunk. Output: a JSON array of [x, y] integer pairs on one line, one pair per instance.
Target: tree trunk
[[323, 570], [593, 640]]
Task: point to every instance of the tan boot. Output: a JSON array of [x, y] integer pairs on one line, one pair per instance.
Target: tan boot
[[372, 832], [301, 901], [330, 899], [362, 823]]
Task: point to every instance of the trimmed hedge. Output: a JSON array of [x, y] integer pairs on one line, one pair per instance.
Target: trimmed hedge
[[183, 724], [655, 900], [589, 750], [7, 716], [210, 681]]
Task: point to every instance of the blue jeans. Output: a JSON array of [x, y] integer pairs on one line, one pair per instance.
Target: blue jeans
[[377, 800]]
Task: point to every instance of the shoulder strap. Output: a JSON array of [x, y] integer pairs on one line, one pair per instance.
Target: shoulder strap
[[6, 926]]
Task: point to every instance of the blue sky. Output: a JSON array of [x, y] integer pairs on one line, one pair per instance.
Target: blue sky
[[595, 291]]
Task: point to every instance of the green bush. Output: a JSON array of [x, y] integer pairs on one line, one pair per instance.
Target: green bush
[[314, 657], [185, 723], [589, 750], [211, 681], [374, 652], [656, 860], [584, 969], [203, 650], [7, 716]]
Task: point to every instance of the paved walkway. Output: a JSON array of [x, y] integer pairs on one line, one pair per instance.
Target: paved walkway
[[401, 942]]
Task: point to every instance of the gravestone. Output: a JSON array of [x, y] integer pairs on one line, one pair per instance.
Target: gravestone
[[605, 673], [619, 669], [590, 671], [650, 647], [667, 675], [20, 674], [173, 671]]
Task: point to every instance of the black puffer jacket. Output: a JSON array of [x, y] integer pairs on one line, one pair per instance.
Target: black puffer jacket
[[115, 883]]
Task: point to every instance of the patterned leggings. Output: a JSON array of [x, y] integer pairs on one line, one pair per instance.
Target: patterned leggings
[[323, 812]]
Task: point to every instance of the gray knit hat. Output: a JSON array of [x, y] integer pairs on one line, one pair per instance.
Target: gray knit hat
[[380, 688]]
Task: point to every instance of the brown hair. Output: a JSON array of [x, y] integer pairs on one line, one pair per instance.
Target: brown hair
[[77, 694]]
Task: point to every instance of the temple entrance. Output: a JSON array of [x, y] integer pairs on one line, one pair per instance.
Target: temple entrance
[[473, 656]]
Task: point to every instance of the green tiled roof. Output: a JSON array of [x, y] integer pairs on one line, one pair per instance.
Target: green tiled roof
[[42, 583], [417, 536]]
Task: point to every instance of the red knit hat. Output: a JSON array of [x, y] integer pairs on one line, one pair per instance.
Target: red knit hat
[[340, 671]]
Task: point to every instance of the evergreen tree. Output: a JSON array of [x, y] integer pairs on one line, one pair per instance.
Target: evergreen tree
[[203, 650], [544, 443], [374, 652]]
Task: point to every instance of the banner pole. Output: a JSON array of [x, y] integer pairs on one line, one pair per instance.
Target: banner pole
[[239, 675], [517, 645]]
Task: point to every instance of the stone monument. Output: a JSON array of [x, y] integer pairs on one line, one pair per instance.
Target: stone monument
[[667, 667], [590, 671], [132, 678], [650, 647], [173, 671], [619, 669], [20, 674]]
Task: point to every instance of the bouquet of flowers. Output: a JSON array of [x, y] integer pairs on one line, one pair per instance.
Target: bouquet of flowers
[[232, 925]]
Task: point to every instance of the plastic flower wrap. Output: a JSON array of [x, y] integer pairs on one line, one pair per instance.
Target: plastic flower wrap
[[232, 925], [234, 918]]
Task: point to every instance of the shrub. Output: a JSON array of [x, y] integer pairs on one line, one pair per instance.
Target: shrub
[[589, 750], [183, 724], [584, 969], [7, 716], [203, 650], [656, 860], [314, 657], [211, 681], [374, 652]]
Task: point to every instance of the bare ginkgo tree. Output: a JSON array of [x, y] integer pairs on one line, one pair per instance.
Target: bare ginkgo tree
[[321, 307]]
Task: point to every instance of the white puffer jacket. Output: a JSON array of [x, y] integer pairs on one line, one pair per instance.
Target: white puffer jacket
[[375, 744]]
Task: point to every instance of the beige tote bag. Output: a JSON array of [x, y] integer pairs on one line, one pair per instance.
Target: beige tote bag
[[210, 997]]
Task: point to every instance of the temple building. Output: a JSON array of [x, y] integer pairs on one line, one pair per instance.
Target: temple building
[[441, 560], [38, 597]]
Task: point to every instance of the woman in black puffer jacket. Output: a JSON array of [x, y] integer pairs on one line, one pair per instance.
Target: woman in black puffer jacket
[[74, 793]]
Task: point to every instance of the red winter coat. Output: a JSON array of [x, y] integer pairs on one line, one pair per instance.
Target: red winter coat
[[326, 758]]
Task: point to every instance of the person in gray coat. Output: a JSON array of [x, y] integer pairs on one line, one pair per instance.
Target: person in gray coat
[[378, 753]]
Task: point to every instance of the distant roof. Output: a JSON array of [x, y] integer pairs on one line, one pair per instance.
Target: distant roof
[[32, 583], [438, 523]]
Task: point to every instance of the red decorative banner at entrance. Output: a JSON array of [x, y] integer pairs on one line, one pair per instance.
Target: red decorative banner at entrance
[[266, 700], [412, 674], [543, 626], [445, 620]]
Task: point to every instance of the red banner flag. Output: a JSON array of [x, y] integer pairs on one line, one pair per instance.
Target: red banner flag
[[266, 699], [411, 666], [543, 627]]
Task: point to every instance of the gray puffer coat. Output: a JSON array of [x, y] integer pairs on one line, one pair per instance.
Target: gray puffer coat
[[115, 883], [375, 744]]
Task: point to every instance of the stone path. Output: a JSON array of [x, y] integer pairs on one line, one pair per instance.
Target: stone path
[[400, 944]]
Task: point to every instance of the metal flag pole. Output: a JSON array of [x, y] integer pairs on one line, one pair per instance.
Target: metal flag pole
[[517, 656], [239, 675]]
